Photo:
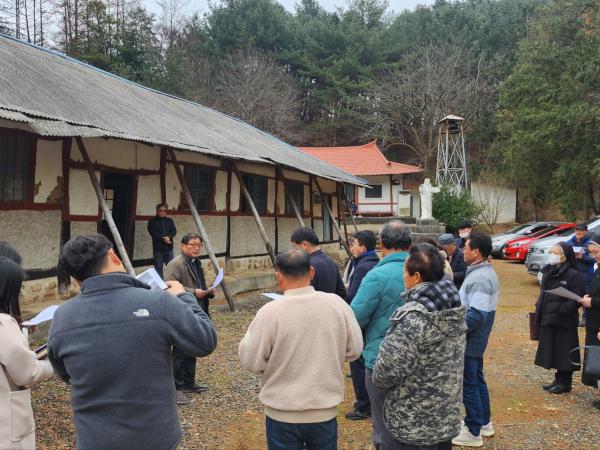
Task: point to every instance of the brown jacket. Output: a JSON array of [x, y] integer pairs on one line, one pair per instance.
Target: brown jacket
[[179, 269], [19, 367]]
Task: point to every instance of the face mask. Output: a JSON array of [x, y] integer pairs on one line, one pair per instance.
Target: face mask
[[554, 259], [464, 234]]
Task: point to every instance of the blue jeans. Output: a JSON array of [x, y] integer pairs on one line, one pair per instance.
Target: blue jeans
[[476, 397], [162, 258], [296, 436]]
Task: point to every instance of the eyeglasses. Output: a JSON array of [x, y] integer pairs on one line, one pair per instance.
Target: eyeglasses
[[194, 245]]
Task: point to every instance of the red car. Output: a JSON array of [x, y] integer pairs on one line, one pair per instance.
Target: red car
[[517, 249]]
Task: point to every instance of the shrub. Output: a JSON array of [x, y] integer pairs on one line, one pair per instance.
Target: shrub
[[452, 207]]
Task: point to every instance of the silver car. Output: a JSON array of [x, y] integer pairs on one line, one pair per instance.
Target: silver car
[[537, 256], [499, 240]]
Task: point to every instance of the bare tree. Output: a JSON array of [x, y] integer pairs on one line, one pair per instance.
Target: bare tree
[[257, 90], [490, 196], [26, 19], [405, 104]]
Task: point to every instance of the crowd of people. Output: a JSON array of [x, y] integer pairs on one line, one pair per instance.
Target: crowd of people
[[414, 326]]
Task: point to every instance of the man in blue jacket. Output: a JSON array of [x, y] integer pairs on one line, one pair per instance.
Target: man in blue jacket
[[479, 293], [112, 344], [378, 296], [585, 263], [364, 258], [327, 273]]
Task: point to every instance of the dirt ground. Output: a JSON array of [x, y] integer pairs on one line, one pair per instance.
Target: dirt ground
[[230, 417]]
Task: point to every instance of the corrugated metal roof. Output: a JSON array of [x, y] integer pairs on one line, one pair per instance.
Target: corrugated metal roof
[[61, 96]]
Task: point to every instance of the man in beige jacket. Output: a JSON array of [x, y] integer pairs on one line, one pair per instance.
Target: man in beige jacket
[[299, 344]]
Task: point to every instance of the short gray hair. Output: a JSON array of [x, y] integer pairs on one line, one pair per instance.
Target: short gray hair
[[395, 235]]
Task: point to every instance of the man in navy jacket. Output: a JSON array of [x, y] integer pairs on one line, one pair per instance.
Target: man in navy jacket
[[327, 273], [364, 258], [585, 263]]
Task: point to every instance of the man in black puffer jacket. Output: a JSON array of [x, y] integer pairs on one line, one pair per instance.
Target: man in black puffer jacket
[[162, 229]]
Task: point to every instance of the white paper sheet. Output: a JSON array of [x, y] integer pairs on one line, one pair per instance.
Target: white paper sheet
[[44, 316], [272, 295], [577, 249], [152, 279], [562, 292], [219, 278]]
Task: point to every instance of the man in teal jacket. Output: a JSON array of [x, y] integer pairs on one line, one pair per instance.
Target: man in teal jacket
[[378, 296]]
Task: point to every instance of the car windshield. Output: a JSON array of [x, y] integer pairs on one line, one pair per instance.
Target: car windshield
[[545, 230], [519, 228], [566, 232]]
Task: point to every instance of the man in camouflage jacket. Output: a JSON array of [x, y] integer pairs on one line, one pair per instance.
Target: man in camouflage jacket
[[420, 366]]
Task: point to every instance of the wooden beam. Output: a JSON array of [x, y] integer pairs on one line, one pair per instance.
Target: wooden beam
[[291, 199], [248, 198], [335, 223], [107, 214], [207, 245], [342, 213], [349, 209]]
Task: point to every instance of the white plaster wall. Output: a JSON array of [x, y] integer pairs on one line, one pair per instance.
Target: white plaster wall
[[148, 194], [197, 158], [327, 186], [172, 187], [15, 125], [48, 169], [258, 169], [142, 248], [221, 190], [318, 227], [285, 228], [270, 195], [215, 226], [293, 175], [119, 153], [280, 197], [235, 194], [504, 198], [82, 197], [385, 190], [79, 228], [245, 237], [35, 235]]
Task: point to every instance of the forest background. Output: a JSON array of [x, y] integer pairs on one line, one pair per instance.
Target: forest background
[[525, 75]]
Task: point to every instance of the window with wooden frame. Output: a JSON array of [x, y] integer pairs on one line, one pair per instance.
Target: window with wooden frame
[[295, 190], [257, 188], [15, 151], [374, 192], [200, 181]]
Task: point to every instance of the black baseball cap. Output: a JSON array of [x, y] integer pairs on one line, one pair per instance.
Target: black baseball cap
[[581, 226]]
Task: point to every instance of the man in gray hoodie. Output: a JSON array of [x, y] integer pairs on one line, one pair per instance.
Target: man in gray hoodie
[[112, 344]]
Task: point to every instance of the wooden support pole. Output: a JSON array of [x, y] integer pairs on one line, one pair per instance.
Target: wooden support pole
[[342, 213], [248, 198], [291, 199], [349, 209], [335, 223], [107, 214], [207, 245]]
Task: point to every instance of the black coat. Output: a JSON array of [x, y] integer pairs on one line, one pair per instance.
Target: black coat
[[592, 321], [459, 267], [327, 275], [158, 227], [362, 265], [558, 318]]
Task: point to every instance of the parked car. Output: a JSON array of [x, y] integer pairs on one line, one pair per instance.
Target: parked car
[[516, 249], [537, 256], [499, 240]]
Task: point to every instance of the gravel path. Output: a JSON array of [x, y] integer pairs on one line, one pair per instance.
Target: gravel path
[[230, 417]]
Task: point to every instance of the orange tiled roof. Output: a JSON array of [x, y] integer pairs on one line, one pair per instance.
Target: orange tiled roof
[[360, 160]]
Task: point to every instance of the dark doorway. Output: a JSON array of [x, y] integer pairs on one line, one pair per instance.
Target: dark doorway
[[118, 192], [327, 223]]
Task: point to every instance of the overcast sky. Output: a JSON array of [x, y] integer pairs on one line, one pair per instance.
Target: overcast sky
[[201, 6]]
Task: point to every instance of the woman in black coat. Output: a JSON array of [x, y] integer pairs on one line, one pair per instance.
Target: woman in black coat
[[558, 318], [592, 313]]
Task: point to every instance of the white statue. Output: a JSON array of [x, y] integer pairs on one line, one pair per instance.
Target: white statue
[[427, 190]]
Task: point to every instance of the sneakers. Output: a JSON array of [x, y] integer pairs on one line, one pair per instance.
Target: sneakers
[[358, 415], [195, 388], [466, 439], [181, 398], [488, 429]]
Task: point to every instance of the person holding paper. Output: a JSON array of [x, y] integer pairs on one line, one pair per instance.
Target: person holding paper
[[584, 262], [591, 303], [19, 366], [558, 317], [187, 269], [112, 344]]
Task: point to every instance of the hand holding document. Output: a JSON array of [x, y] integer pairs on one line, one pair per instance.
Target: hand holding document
[[44, 316], [152, 279], [565, 293]]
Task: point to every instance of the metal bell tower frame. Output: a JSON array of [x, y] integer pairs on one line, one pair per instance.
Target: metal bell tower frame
[[451, 167]]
